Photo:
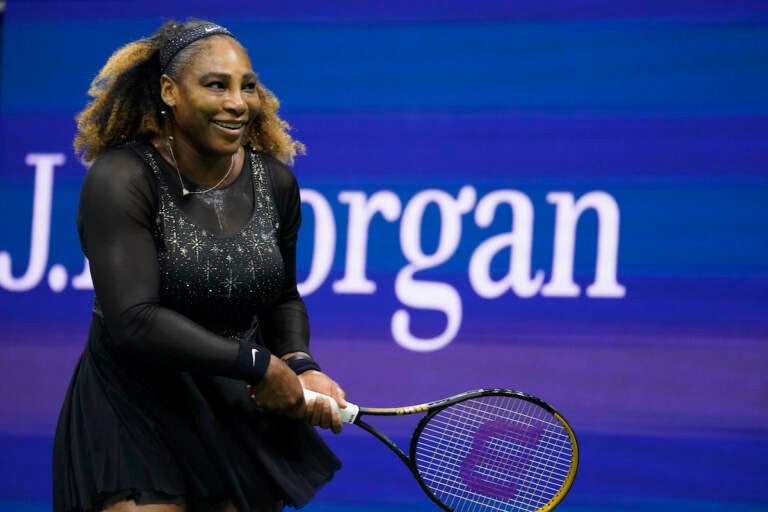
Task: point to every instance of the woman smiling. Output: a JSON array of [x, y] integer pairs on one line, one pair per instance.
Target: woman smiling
[[189, 217]]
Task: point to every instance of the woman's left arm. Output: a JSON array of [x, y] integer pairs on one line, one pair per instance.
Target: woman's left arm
[[285, 324]]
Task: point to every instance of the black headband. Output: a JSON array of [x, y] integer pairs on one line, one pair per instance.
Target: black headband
[[189, 36]]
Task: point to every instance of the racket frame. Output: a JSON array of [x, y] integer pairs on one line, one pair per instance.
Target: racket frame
[[433, 408]]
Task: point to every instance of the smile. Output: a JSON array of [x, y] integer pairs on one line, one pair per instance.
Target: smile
[[229, 125]]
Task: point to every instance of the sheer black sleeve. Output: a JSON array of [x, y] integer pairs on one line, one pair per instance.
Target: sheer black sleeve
[[115, 223], [285, 324]]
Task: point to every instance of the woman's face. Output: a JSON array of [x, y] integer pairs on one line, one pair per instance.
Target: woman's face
[[215, 99]]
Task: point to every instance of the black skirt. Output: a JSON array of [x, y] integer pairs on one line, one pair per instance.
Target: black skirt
[[132, 431]]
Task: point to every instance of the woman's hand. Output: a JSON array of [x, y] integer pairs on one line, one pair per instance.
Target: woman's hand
[[280, 391], [319, 412]]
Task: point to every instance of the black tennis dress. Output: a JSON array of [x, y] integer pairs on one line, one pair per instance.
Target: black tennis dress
[[157, 410]]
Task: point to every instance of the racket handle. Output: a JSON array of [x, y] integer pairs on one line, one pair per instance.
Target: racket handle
[[348, 414]]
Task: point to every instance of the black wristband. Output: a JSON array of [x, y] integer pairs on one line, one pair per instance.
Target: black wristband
[[301, 363], [252, 361]]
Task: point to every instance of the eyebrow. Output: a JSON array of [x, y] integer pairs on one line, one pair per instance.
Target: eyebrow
[[225, 76]]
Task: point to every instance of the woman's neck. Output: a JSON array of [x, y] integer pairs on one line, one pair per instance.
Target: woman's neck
[[200, 169]]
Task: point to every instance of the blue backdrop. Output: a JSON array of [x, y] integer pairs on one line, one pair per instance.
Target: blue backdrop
[[566, 198]]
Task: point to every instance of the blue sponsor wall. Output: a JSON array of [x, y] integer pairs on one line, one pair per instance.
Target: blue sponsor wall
[[566, 198]]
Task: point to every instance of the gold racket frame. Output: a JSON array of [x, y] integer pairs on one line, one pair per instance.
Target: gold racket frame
[[558, 497]]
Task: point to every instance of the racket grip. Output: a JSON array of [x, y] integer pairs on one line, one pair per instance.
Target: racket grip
[[348, 414]]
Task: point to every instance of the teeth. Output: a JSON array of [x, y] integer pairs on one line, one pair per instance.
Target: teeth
[[231, 126]]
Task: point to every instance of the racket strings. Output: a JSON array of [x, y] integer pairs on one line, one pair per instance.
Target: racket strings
[[549, 444], [553, 442], [488, 474], [533, 492], [525, 498], [494, 453], [525, 492]]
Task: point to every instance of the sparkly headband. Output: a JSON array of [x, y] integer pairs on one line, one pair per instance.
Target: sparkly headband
[[181, 41]]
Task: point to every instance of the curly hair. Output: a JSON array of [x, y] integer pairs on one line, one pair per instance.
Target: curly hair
[[127, 106]]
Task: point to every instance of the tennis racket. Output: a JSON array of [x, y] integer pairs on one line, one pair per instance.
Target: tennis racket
[[483, 450]]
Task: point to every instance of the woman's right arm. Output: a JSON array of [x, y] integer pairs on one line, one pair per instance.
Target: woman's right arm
[[116, 222]]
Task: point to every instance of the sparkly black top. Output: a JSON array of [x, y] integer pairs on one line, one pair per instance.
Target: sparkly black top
[[178, 279]]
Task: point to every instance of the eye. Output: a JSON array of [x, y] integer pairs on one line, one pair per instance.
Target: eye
[[249, 86], [216, 84]]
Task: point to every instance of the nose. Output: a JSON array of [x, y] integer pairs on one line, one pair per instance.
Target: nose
[[235, 103]]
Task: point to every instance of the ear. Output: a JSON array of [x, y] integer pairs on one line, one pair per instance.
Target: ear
[[168, 90]]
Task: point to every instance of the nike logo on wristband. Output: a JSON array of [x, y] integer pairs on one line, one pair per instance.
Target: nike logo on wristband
[[254, 351]]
